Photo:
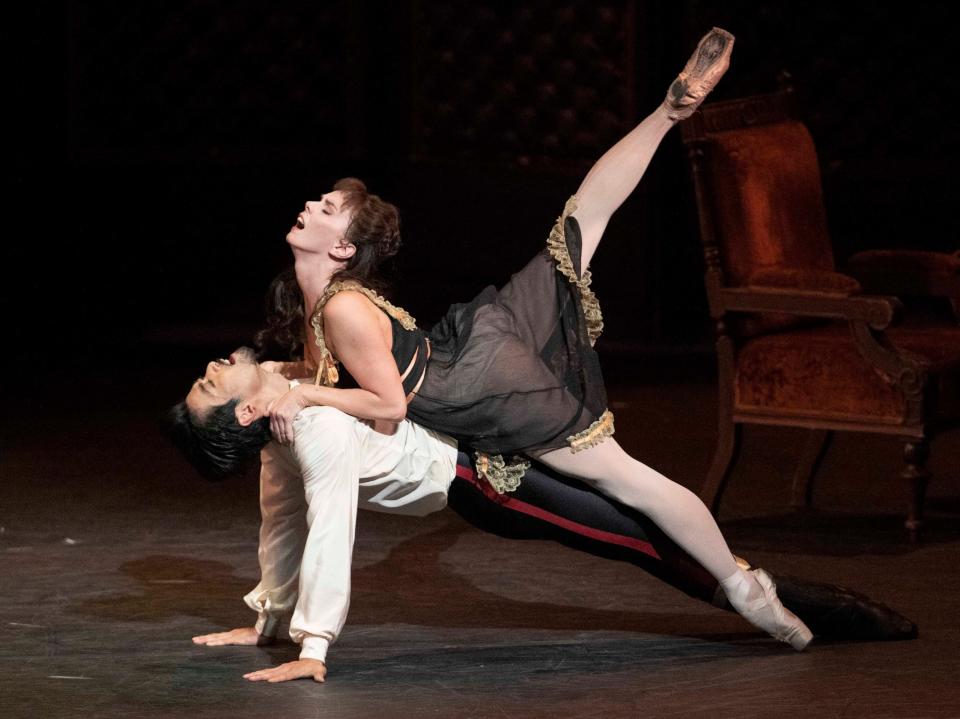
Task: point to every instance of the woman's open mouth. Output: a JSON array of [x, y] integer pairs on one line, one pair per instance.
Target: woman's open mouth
[[299, 224]]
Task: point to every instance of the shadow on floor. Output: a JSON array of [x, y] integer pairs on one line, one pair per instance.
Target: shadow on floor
[[411, 585], [841, 535]]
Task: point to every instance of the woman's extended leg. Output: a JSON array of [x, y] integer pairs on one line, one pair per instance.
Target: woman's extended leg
[[681, 515], [616, 174]]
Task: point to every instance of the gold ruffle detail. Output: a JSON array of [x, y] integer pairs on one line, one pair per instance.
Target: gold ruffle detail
[[503, 476], [557, 247], [592, 435], [327, 373]]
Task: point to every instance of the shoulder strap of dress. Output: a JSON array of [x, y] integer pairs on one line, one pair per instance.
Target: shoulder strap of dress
[[327, 373]]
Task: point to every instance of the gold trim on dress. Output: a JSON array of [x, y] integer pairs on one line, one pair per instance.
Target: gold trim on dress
[[327, 373], [503, 476], [557, 247], [592, 435]]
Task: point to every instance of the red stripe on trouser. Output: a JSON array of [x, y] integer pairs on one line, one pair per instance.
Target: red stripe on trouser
[[555, 519]]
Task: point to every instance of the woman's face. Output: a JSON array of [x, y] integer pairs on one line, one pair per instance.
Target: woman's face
[[322, 224]]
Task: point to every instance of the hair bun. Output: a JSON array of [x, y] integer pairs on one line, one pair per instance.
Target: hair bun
[[386, 221], [390, 240]]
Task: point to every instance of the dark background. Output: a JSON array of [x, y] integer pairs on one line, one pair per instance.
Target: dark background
[[157, 152]]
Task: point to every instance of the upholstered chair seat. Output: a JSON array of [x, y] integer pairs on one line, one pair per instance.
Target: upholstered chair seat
[[819, 372]]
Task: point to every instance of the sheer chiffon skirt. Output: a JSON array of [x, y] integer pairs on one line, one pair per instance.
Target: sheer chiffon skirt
[[514, 371]]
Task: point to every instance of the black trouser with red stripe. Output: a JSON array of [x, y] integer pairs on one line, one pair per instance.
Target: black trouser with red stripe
[[548, 505]]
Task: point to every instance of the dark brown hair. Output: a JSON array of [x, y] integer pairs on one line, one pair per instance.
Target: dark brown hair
[[374, 230]]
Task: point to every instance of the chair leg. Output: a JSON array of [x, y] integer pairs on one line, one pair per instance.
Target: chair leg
[[814, 449], [728, 447], [915, 471]]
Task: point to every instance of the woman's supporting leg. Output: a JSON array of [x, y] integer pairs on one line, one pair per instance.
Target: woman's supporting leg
[[685, 519], [676, 510], [549, 506]]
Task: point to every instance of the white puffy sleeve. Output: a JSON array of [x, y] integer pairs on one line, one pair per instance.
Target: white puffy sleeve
[[283, 531], [328, 446]]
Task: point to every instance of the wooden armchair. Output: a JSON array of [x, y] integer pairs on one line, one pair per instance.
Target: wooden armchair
[[798, 343]]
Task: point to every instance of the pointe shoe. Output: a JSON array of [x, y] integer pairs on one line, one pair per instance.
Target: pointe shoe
[[767, 613], [700, 75]]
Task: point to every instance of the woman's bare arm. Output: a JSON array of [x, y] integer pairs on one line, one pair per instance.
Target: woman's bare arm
[[354, 334], [352, 326]]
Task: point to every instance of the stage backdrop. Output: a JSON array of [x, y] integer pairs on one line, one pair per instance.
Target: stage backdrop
[[162, 150]]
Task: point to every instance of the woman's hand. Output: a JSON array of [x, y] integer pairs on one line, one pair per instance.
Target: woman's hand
[[282, 412]]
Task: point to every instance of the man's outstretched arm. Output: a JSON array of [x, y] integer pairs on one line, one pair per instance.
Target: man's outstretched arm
[[283, 531], [328, 451]]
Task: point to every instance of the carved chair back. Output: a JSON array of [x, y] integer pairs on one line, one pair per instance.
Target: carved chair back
[[759, 196]]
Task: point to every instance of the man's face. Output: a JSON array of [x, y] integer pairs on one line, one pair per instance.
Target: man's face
[[322, 224], [239, 377]]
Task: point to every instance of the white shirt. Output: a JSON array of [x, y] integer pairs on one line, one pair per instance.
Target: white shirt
[[336, 463]]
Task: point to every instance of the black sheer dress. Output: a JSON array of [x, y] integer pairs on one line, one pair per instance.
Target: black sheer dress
[[513, 371]]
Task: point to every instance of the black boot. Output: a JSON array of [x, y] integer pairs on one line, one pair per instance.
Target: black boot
[[840, 613]]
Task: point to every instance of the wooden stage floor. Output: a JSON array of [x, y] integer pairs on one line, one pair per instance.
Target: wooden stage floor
[[114, 555]]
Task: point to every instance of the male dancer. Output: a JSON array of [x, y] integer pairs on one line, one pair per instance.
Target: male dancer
[[310, 493]]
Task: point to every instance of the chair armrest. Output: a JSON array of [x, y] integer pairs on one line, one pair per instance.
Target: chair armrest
[[908, 272], [878, 311], [908, 259], [805, 280]]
